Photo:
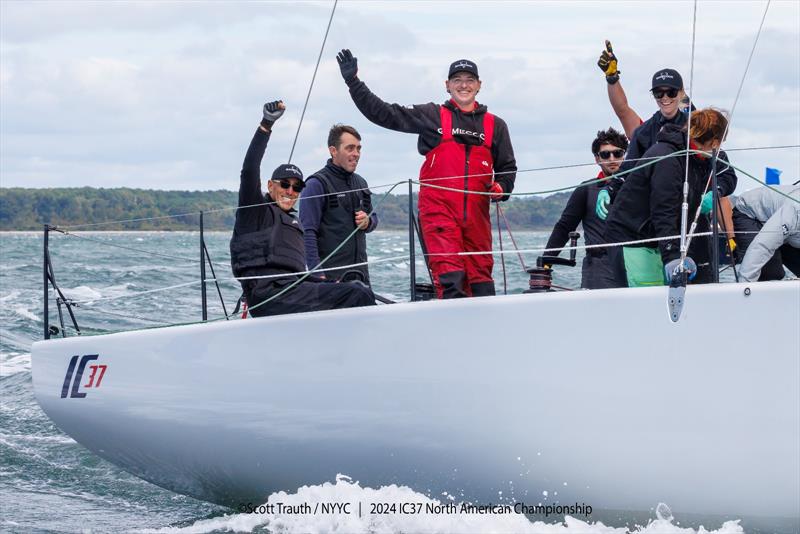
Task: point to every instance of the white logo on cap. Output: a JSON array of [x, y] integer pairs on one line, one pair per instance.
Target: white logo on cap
[[294, 170], [464, 65], [664, 76]]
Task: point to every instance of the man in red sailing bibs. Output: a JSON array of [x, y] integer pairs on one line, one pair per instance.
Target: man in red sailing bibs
[[468, 161]]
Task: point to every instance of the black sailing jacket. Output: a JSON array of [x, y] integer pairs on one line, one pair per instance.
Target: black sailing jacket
[[649, 203]]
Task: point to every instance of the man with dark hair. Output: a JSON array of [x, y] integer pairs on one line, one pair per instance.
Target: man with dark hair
[[609, 150], [267, 252], [468, 161], [334, 203]]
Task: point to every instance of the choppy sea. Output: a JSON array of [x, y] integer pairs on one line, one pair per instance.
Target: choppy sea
[[49, 483]]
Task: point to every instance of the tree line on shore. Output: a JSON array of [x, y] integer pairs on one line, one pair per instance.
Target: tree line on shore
[[31, 209]]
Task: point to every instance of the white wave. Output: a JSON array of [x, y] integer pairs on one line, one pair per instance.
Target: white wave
[[82, 293], [57, 438], [25, 313], [11, 296], [346, 491], [11, 364]]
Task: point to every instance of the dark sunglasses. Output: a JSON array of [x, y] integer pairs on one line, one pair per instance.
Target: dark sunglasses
[[605, 154], [286, 184], [659, 93]]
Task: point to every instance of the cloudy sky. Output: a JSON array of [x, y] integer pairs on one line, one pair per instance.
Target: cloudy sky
[[166, 95]]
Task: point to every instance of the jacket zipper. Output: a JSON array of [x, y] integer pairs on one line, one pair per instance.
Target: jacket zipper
[[466, 178]]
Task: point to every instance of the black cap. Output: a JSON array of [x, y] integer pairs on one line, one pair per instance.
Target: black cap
[[463, 65], [667, 78], [287, 170]]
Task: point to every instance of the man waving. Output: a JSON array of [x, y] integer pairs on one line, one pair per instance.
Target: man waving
[[468, 161]]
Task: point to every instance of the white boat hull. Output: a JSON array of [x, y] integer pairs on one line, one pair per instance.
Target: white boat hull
[[595, 395]]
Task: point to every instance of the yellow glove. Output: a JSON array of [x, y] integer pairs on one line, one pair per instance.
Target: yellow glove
[[731, 245], [608, 64]]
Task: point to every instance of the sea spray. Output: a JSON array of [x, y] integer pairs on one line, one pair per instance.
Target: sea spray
[[413, 512]]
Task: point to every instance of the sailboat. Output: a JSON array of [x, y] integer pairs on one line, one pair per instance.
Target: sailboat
[[650, 410], [610, 395]]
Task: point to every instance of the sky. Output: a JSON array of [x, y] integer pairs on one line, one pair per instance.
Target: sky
[[166, 95]]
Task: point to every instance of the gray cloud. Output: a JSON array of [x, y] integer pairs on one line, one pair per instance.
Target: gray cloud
[[166, 95]]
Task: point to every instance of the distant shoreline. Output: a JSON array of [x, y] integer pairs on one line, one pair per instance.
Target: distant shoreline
[[126, 209]]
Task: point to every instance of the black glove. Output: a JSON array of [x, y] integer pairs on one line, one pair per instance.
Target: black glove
[[272, 112], [347, 64], [608, 64]]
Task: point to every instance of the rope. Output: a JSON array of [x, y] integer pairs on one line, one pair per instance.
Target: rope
[[121, 221], [519, 252], [747, 68], [650, 161], [322, 261], [685, 205], [392, 184], [500, 240], [730, 117], [513, 241], [133, 249], [136, 295], [314, 77], [105, 311]]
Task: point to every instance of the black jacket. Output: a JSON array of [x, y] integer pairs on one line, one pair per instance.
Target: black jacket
[[266, 240], [425, 120], [643, 138], [649, 203], [329, 220], [580, 208]]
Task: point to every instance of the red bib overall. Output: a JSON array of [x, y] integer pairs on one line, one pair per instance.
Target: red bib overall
[[453, 220]]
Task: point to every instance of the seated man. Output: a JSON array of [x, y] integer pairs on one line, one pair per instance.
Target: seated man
[[268, 240], [775, 216], [335, 202], [609, 150]]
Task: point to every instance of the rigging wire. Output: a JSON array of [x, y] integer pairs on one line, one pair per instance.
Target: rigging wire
[[733, 109], [114, 245], [685, 205], [405, 180], [225, 265], [314, 77]]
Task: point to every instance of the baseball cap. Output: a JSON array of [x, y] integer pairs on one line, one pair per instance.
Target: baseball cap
[[667, 78], [287, 170], [463, 65]]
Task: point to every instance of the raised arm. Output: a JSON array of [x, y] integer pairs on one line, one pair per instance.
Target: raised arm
[[250, 182], [609, 64], [408, 119]]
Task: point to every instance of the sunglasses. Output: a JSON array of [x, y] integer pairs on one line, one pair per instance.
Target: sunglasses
[[286, 184], [658, 94], [605, 154]]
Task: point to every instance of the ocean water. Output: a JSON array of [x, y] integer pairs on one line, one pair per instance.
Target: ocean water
[[49, 483]]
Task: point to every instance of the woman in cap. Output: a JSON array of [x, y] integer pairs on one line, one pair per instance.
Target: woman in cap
[[649, 205]]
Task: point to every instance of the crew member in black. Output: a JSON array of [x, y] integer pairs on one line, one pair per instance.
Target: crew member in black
[[334, 203], [649, 205], [667, 90], [268, 240], [609, 150]]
